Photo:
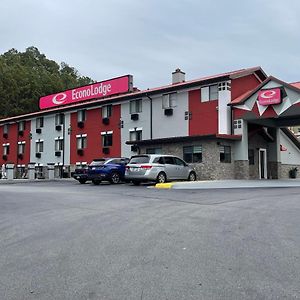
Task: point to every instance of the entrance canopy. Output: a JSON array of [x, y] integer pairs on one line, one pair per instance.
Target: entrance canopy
[[273, 103]]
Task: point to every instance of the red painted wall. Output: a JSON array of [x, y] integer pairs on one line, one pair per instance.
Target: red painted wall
[[93, 127], [204, 119], [241, 85], [13, 139]]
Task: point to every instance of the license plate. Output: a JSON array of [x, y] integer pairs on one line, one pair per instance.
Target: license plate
[[136, 169]]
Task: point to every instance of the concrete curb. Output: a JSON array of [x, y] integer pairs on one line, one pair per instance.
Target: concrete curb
[[229, 184]]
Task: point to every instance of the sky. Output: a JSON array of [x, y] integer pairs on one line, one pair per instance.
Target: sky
[[150, 39]]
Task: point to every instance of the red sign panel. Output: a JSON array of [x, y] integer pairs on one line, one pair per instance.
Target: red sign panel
[[269, 97], [93, 91]]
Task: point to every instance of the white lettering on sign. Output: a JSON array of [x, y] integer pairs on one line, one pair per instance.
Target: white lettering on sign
[[102, 89]]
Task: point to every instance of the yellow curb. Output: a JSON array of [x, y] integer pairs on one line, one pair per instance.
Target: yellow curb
[[164, 185]]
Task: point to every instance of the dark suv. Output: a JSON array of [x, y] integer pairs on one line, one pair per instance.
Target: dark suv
[[107, 169], [81, 174]]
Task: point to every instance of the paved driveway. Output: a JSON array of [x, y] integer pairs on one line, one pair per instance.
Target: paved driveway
[[63, 240]]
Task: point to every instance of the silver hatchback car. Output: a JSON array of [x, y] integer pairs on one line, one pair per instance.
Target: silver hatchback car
[[158, 168]]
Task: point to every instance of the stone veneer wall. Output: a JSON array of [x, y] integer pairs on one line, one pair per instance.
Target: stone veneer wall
[[286, 168], [211, 168], [241, 169]]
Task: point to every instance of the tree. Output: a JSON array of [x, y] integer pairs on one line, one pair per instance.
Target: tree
[[26, 76]]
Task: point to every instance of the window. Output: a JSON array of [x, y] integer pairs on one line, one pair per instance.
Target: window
[[153, 151], [135, 106], [251, 156], [40, 122], [225, 154], [169, 100], [21, 126], [192, 154], [107, 140], [169, 160], [107, 111], [81, 141], [135, 134], [21, 147], [209, 93], [59, 144], [237, 124], [5, 128], [39, 146], [5, 149], [213, 92], [81, 115], [59, 119]]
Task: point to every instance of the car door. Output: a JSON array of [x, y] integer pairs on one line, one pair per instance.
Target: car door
[[181, 169], [170, 167]]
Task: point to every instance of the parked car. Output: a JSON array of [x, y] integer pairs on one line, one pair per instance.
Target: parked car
[[158, 168], [81, 174], [107, 169]]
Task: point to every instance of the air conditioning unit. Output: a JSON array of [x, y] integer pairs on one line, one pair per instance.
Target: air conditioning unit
[[80, 152], [57, 153], [105, 150], [168, 111], [38, 155], [4, 157], [134, 148], [80, 124], [134, 117], [38, 130], [5, 135], [105, 121], [21, 133], [58, 127]]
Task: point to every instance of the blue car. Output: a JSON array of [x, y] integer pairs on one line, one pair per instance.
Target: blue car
[[107, 169]]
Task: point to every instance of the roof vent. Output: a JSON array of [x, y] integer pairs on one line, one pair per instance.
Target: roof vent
[[178, 76]]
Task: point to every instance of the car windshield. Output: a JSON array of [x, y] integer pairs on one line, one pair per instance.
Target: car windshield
[[140, 159]]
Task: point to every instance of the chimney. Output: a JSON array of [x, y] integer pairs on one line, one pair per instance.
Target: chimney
[[178, 76]]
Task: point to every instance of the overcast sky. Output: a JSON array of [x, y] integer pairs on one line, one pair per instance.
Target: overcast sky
[[150, 38]]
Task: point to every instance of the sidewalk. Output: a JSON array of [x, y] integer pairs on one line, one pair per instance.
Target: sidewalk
[[14, 181], [230, 184]]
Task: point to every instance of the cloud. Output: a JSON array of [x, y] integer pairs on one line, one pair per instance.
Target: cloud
[[149, 39]]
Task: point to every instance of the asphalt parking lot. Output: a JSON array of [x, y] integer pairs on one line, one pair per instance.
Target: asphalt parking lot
[[63, 240]]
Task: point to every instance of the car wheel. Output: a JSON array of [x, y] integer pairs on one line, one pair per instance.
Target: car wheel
[[96, 181], [82, 181], [161, 178], [115, 178], [136, 182], [192, 176]]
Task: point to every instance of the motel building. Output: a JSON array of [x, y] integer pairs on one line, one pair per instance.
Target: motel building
[[229, 126]]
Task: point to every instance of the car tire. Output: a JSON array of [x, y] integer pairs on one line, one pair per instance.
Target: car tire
[[192, 176], [135, 182], [96, 181], [115, 178], [82, 181], [161, 177]]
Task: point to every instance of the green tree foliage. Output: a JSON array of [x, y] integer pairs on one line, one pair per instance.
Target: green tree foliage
[[26, 76]]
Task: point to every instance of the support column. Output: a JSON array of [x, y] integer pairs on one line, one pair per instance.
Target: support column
[[31, 171], [50, 171], [241, 160], [10, 171], [273, 157]]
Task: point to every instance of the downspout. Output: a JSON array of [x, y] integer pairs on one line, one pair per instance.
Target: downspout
[[151, 117]]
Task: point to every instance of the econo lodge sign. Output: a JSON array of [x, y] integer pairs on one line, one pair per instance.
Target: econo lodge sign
[[93, 91], [269, 97]]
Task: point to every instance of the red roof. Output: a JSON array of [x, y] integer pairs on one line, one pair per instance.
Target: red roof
[[296, 84], [134, 94]]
